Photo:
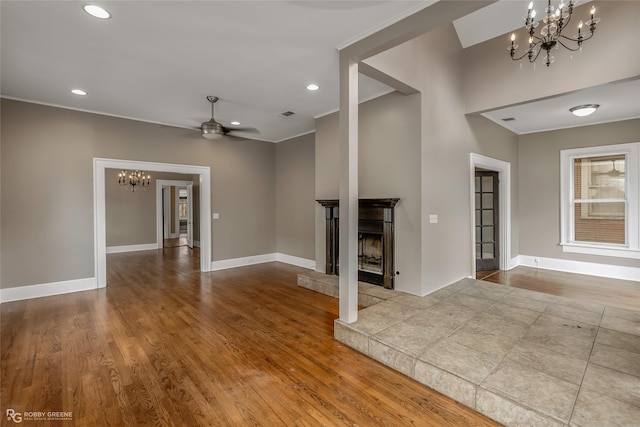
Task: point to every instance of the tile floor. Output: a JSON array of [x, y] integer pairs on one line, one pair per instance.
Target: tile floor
[[522, 358]]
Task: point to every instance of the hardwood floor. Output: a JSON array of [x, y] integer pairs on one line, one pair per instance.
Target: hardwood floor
[[165, 344], [612, 292]]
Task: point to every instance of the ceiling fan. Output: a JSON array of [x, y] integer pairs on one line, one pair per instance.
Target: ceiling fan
[[614, 173], [212, 129]]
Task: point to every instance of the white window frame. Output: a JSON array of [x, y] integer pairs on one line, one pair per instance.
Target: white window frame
[[631, 249]]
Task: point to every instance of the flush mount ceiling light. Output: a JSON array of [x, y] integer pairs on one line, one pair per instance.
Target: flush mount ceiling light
[[584, 110], [554, 22], [96, 11], [78, 92], [313, 87]]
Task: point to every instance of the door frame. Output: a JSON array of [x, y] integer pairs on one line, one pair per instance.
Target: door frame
[[504, 201], [99, 208], [160, 185]]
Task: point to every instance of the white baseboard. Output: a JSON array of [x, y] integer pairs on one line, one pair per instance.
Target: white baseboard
[[47, 289], [259, 259], [242, 262], [132, 248], [297, 261], [196, 243], [580, 267]]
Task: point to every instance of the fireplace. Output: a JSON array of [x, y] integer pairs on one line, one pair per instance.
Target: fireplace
[[375, 240]]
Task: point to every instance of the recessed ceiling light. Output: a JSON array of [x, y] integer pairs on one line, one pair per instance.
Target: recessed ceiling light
[[584, 110], [96, 11], [235, 123], [313, 86], [78, 92]]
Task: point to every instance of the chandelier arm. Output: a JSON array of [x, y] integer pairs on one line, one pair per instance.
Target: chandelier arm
[[533, 58], [520, 57], [579, 40], [567, 47]]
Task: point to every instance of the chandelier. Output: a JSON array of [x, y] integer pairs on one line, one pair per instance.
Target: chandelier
[[135, 179], [554, 22]]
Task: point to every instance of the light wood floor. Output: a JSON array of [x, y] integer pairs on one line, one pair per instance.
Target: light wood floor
[[164, 344], [612, 292]]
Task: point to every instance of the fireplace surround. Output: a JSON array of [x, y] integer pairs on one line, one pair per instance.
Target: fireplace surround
[[376, 239]]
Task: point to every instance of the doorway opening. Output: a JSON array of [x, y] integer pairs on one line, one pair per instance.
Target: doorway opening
[[174, 205], [490, 203], [99, 168], [487, 217]]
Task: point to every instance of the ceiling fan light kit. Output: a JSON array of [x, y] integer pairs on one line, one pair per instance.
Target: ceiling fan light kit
[[212, 129], [553, 23]]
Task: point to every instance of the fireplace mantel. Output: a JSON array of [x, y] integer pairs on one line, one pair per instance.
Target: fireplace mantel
[[375, 218]]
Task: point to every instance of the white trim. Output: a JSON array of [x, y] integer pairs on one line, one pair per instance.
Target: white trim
[[132, 248], [196, 243], [504, 200], [46, 289], [294, 260], [99, 196], [580, 267], [160, 185], [242, 262], [260, 259], [632, 232], [610, 251]]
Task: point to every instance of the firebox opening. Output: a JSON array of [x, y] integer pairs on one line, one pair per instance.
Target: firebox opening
[[370, 252]]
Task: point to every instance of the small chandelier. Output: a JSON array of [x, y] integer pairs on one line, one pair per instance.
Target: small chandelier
[[554, 22], [135, 179]]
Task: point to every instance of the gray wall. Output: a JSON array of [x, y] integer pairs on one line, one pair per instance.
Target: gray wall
[[540, 185], [295, 203], [433, 64], [131, 216], [47, 214], [491, 79], [389, 159]]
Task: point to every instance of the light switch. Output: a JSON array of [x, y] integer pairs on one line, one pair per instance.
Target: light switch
[[433, 219], [216, 215]]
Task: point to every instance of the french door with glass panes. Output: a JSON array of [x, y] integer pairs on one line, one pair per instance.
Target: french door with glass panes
[[486, 211]]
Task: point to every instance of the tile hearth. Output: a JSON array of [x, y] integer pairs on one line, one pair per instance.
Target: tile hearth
[[517, 356]]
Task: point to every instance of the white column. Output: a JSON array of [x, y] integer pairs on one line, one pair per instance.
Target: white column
[[348, 290]]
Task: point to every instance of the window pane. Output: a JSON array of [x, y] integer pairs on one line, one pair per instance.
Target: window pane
[[487, 217], [487, 201], [599, 222], [487, 234], [600, 177], [487, 184], [478, 251], [487, 251]]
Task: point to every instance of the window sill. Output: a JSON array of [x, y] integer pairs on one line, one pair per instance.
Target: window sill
[[599, 250]]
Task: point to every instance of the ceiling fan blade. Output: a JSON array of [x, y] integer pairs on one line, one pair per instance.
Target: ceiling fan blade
[[241, 129]]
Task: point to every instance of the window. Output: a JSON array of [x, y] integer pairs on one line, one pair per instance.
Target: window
[[600, 193], [182, 204]]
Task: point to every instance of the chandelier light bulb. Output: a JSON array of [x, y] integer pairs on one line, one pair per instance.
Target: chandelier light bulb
[[530, 5], [533, 13], [513, 37]]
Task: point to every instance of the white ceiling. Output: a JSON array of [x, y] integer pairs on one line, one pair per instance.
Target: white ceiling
[[158, 60]]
